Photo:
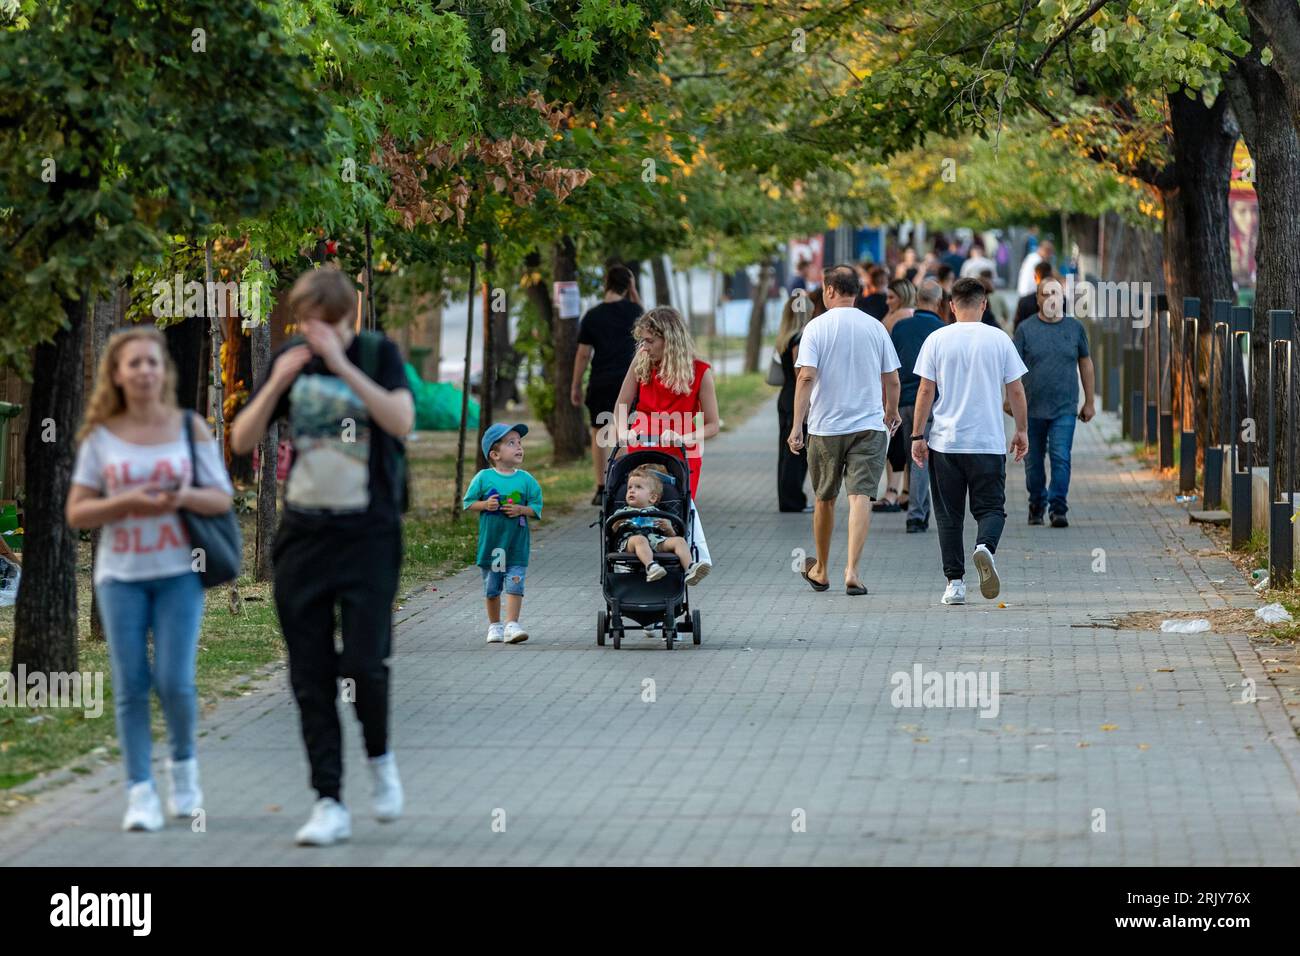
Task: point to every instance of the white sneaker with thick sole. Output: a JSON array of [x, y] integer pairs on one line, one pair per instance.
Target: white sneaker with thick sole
[[329, 823], [955, 593], [697, 572], [514, 633], [496, 633], [654, 571], [184, 795], [144, 813], [990, 584], [387, 788]]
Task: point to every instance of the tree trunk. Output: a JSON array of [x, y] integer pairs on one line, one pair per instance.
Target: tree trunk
[[1196, 252], [487, 378], [45, 619], [757, 313], [456, 509], [568, 426], [266, 486], [108, 315], [185, 344], [1259, 100], [663, 289]]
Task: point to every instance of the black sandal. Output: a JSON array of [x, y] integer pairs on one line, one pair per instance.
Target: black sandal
[[808, 563], [853, 590]]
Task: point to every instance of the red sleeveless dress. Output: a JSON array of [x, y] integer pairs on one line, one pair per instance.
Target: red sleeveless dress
[[659, 409]]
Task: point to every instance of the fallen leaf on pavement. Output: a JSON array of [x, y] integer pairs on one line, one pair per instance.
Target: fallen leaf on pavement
[[1110, 726]]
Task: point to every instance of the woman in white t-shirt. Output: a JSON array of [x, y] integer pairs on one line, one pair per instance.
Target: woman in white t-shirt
[[133, 472]]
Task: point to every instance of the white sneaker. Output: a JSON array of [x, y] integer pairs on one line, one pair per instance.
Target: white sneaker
[[387, 788], [329, 823], [955, 593], [990, 584], [143, 809], [698, 571], [654, 571], [184, 795], [514, 633], [496, 633]]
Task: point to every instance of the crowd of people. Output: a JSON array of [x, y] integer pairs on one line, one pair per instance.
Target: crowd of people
[[930, 436], [895, 382]]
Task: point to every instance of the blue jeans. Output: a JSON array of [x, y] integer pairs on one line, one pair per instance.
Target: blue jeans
[[1050, 437], [511, 579], [172, 609]]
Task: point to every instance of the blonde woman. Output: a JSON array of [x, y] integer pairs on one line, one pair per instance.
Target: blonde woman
[[670, 388], [792, 469], [900, 302], [133, 472]]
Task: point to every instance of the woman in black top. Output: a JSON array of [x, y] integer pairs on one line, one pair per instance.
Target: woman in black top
[[791, 469]]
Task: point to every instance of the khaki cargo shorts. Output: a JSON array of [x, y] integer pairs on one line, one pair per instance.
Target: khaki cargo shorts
[[857, 459]]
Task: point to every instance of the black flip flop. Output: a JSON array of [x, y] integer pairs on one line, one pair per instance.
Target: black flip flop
[[809, 562], [853, 590]]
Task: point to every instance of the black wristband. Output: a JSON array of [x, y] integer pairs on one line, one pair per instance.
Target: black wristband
[[918, 438]]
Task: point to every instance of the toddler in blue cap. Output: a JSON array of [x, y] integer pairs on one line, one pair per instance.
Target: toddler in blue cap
[[505, 497]]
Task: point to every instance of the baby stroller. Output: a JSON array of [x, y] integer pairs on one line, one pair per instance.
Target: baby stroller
[[628, 595]]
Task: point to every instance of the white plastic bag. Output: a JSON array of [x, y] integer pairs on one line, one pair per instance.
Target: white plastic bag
[[9, 576], [1273, 614], [1197, 626]]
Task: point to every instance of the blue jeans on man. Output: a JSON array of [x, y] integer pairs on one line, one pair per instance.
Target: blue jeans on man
[[1049, 438]]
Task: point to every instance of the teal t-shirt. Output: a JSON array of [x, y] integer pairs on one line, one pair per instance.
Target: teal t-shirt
[[495, 529]]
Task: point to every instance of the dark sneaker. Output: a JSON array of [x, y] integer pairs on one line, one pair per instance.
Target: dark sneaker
[[914, 525], [598, 498], [1035, 517], [1058, 521]]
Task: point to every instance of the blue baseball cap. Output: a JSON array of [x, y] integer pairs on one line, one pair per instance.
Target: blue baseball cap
[[499, 431]]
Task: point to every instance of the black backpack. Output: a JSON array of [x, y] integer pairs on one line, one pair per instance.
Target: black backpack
[[370, 344]]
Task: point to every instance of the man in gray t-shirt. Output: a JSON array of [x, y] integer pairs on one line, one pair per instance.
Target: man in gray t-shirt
[[1054, 347]]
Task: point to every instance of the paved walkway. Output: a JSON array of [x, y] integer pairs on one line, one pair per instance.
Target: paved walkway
[[784, 708]]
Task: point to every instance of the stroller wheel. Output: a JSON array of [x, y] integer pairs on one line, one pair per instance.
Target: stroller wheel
[[602, 620], [670, 635], [618, 639], [695, 627]]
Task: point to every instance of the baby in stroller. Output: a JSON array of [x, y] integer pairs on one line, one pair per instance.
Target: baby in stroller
[[644, 534]]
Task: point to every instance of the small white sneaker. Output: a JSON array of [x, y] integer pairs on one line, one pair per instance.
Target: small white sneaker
[[184, 795], [698, 571], [143, 809], [329, 823], [955, 593], [496, 633], [990, 584], [654, 571], [514, 633], [387, 788]]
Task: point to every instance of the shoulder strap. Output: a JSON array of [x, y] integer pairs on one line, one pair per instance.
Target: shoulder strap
[[187, 423]]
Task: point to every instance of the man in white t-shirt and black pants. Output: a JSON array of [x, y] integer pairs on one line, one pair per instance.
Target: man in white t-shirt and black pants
[[848, 389], [967, 364]]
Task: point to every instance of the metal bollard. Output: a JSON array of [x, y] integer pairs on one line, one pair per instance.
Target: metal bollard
[[1281, 541], [1187, 442], [1215, 433], [1241, 490]]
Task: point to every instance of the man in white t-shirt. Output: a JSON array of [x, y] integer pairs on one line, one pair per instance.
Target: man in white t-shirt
[[848, 389], [967, 364], [1027, 282]]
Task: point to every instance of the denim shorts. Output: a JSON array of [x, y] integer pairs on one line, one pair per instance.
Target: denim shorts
[[511, 578]]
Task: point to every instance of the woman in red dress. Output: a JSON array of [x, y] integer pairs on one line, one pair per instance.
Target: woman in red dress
[[676, 402]]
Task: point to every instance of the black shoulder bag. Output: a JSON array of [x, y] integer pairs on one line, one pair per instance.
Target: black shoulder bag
[[215, 537]]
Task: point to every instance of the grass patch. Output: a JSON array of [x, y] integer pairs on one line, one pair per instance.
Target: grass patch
[[740, 395], [235, 647]]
